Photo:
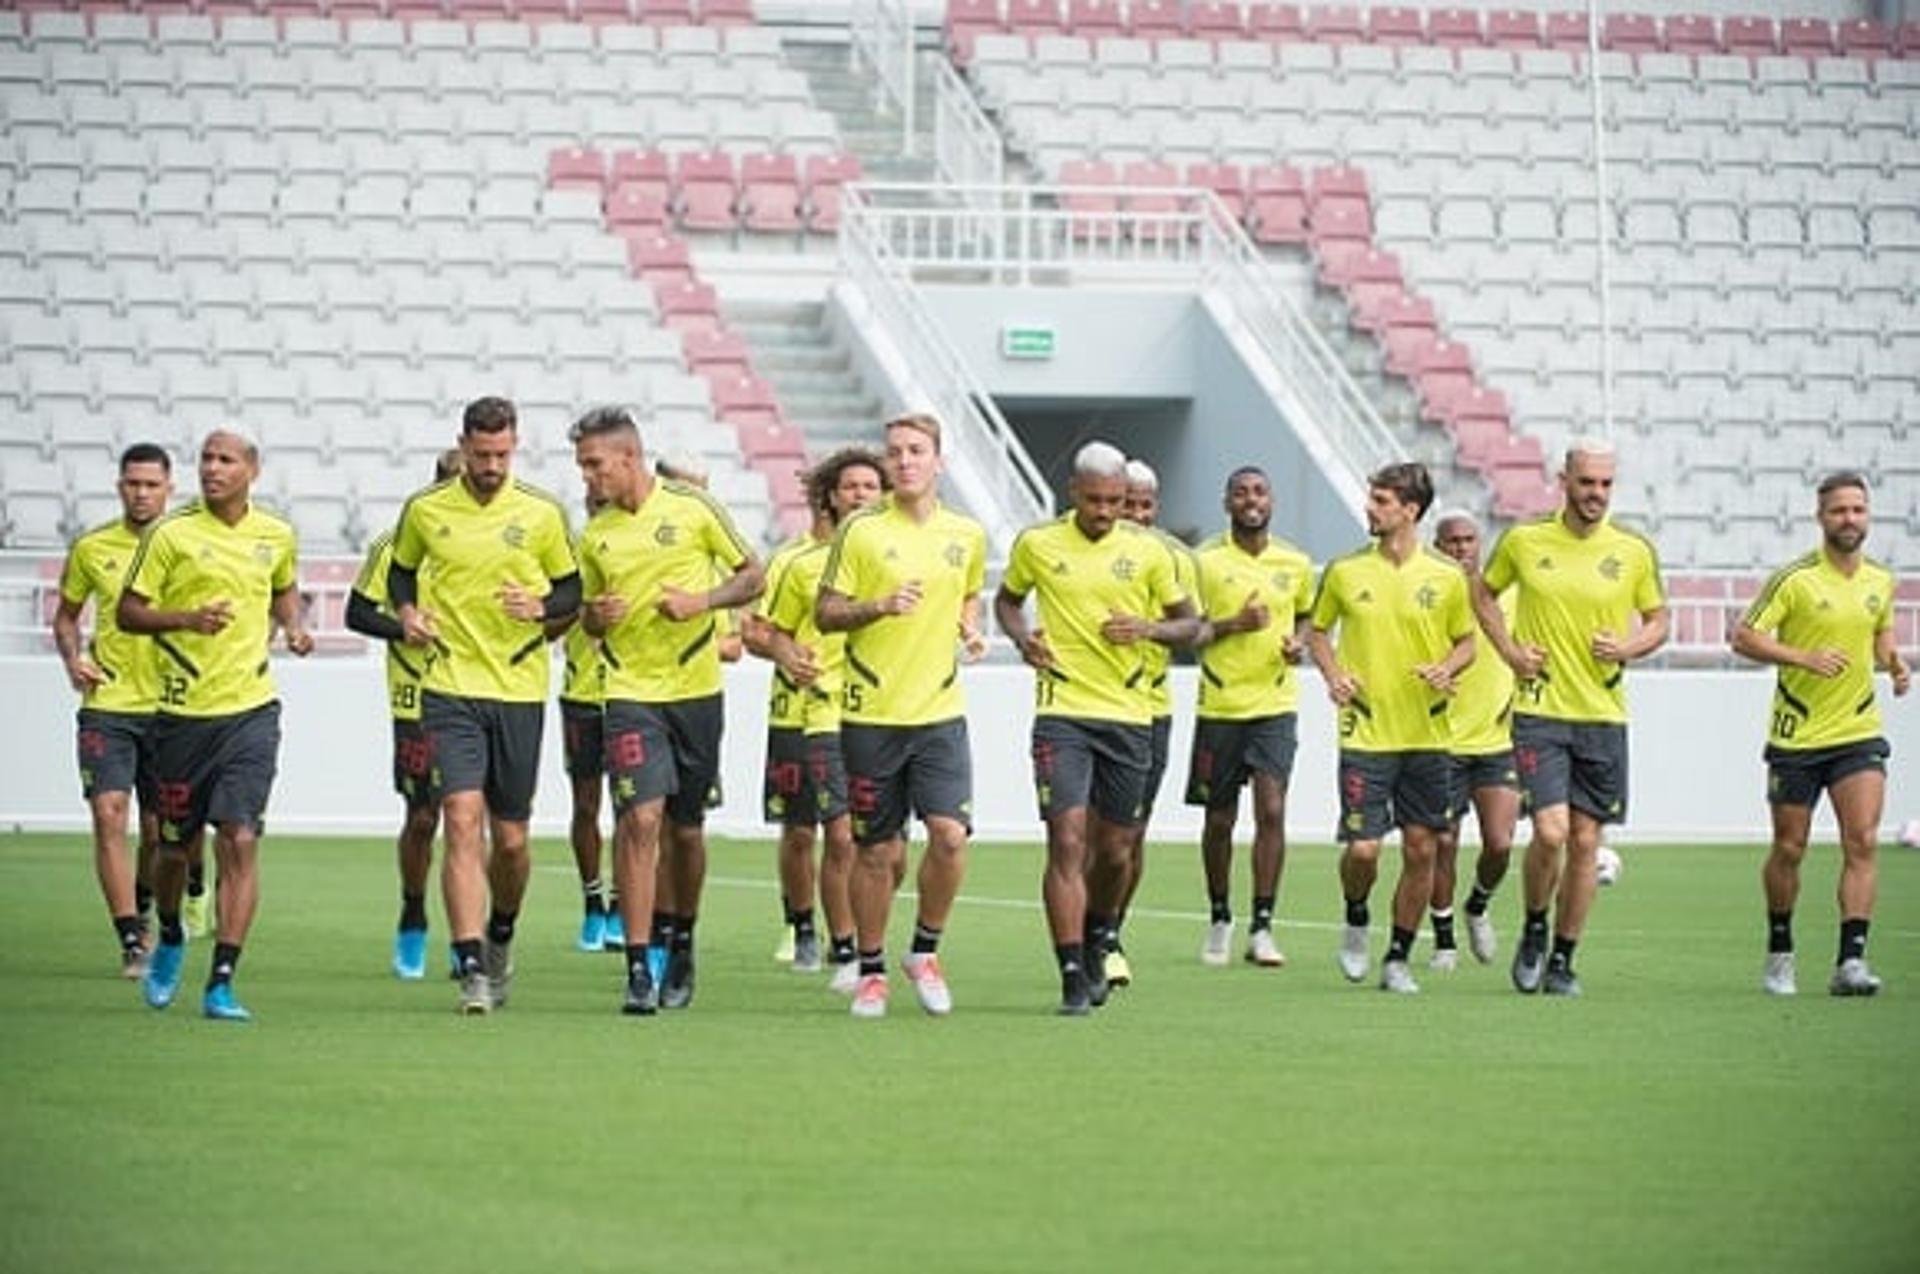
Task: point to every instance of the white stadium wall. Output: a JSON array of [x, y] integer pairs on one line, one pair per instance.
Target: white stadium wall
[[1696, 767]]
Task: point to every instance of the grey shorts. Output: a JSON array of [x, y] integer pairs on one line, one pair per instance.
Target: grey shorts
[[487, 746], [1473, 773], [806, 780], [413, 770], [1227, 753], [583, 732], [1578, 763], [1079, 763], [894, 771], [1798, 776], [667, 751], [114, 750], [215, 770], [1159, 740], [1380, 791]]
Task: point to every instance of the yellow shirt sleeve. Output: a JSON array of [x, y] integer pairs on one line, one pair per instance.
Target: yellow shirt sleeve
[[844, 573], [409, 544], [1649, 592], [1163, 582], [75, 586], [287, 570], [977, 567], [1768, 609], [1018, 578], [1459, 613], [1303, 593], [556, 547], [1499, 572], [1326, 606], [152, 564]]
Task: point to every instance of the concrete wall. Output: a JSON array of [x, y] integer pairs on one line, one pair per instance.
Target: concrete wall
[[1695, 749]]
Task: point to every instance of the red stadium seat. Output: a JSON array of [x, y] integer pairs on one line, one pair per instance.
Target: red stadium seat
[[1035, 17], [660, 259], [664, 13], [967, 20], [1477, 442], [1806, 37], [1630, 33], [1151, 172], [774, 447], [1340, 219], [707, 189], [602, 12], [727, 13], [825, 174], [1156, 19], [1408, 313], [1749, 36], [1514, 29], [648, 170], [1480, 403], [1093, 210], [1565, 31], [1906, 40], [686, 305], [634, 209], [1093, 19], [746, 400], [1405, 352], [1863, 37], [1396, 26], [1276, 22], [1342, 181], [770, 193], [1226, 181], [1336, 24], [1693, 33], [1277, 206], [784, 484], [1215, 20], [719, 352], [538, 11], [576, 168], [1373, 266], [1520, 494]]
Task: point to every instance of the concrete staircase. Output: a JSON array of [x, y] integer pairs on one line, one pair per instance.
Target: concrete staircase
[[871, 132], [811, 372]]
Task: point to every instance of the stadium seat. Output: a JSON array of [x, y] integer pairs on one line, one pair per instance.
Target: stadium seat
[[770, 193]]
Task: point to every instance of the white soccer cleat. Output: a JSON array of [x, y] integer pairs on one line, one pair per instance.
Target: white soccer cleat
[[1353, 952], [1607, 865], [1396, 977], [1219, 945], [846, 978], [1779, 979], [1444, 959], [929, 983], [870, 998], [1480, 939], [1263, 951], [1853, 977]]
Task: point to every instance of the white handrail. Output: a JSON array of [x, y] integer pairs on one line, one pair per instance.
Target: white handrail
[[966, 145], [882, 36]]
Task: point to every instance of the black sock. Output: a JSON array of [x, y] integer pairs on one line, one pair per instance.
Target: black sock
[[1853, 939], [636, 959], [1477, 899], [803, 925], [1102, 937], [225, 956], [663, 929], [926, 940], [1562, 956], [129, 930], [413, 911], [841, 951], [1357, 913], [1222, 913], [1534, 933], [1779, 932], [873, 963], [593, 896], [1072, 957], [171, 931], [1400, 944], [1443, 930], [197, 879], [142, 899], [682, 935], [500, 927], [1262, 913], [466, 954]]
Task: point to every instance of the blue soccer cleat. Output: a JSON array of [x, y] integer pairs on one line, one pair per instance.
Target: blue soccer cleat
[[410, 954], [593, 931], [218, 1004], [614, 936], [162, 982], [657, 963]]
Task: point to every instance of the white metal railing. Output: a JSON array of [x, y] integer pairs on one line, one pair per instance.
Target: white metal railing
[[981, 435], [966, 145], [882, 39], [1026, 235]]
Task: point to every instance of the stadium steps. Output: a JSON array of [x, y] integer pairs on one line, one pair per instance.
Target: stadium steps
[[811, 372], [869, 132]]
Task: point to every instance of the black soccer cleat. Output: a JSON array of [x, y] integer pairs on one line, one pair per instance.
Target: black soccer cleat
[[676, 989], [1075, 1000], [642, 998]]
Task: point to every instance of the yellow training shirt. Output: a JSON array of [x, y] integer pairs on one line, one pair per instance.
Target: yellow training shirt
[[793, 586], [1572, 587], [1482, 711], [1159, 658], [406, 665], [1081, 583], [97, 568], [1393, 617], [1246, 675], [465, 553], [1810, 605], [676, 537], [190, 559], [905, 669]]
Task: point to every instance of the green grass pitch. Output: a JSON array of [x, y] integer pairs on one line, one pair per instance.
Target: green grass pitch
[[1231, 1120]]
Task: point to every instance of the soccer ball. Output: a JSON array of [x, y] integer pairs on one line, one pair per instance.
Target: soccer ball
[[1607, 865]]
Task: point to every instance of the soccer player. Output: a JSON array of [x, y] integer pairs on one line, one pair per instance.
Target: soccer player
[[481, 563], [1482, 720], [583, 690], [369, 614], [1107, 594], [1143, 509], [117, 683], [1581, 582], [806, 772], [903, 582], [208, 583], [1406, 631], [1826, 621], [1256, 592], [647, 559]]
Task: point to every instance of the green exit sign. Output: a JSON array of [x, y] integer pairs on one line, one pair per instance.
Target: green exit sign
[[1026, 340]]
